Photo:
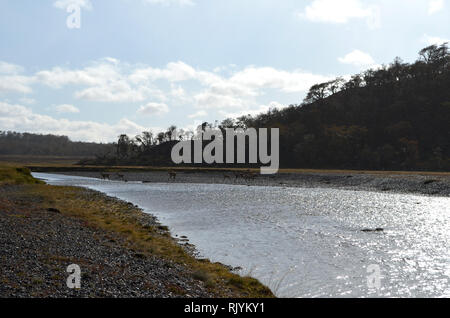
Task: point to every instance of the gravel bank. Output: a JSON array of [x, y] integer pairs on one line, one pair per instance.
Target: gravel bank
[[438, 185]]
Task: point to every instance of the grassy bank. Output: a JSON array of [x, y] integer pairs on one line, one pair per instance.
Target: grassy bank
[[16, 175], [125, 221]]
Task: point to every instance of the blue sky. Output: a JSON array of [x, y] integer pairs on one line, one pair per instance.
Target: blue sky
[[136, 65]]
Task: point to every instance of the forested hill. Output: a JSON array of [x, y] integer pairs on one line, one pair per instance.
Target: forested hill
[[396, 117], [14, 143]]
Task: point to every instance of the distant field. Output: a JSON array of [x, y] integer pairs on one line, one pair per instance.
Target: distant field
[[40, 160]]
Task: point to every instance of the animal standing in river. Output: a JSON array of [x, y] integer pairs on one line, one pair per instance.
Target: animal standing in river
[[121, 177], [105, 176], [172, 175]]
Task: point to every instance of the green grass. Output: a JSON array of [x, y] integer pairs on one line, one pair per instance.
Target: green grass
[[17, 175]]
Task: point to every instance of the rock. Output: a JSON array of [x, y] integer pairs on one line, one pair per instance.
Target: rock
[[378, 229]]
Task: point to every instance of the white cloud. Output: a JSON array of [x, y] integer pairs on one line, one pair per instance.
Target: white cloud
[[209, 100], [9, 110], [253, 111], [16, 83], [357, 58], [153, 109], [170, 2], [114, 92], [59, 77], [11, 79], [430, 40], [342, 11], [106, 80], [66, 108], [23, 119], [109, 80], [8, 68], [174, 72], [199, 114], [435, 6], [28, 101], [64, 4], [268, 77], [237, 90], [179, 93]]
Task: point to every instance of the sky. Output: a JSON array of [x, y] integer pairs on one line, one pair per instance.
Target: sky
[[94, 69]]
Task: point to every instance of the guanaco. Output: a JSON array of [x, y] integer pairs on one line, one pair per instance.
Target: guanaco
[[172, 175]]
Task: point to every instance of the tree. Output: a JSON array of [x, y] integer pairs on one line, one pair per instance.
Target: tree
[[170, 133], [354, 82], [336, 85], [146, 140], [227, 123], [123, 146], [161, 137], [317, 92], [434, 53]]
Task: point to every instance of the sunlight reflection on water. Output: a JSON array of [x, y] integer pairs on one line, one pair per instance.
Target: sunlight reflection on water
[[304, 242]]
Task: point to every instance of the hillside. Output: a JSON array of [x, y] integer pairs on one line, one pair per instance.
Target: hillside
[[393, 118]]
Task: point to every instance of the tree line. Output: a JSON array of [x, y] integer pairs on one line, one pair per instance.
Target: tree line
[[15, 143]]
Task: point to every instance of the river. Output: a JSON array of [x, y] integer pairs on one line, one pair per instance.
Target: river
[[304, 242]]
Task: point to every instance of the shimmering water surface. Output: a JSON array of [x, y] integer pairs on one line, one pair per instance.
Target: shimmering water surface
[[304, 242]]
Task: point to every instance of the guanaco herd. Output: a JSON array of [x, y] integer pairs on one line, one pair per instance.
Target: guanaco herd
[[247, 176], [107, 176]]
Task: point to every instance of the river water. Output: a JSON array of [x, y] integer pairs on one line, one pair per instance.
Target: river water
[[304, 242]]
